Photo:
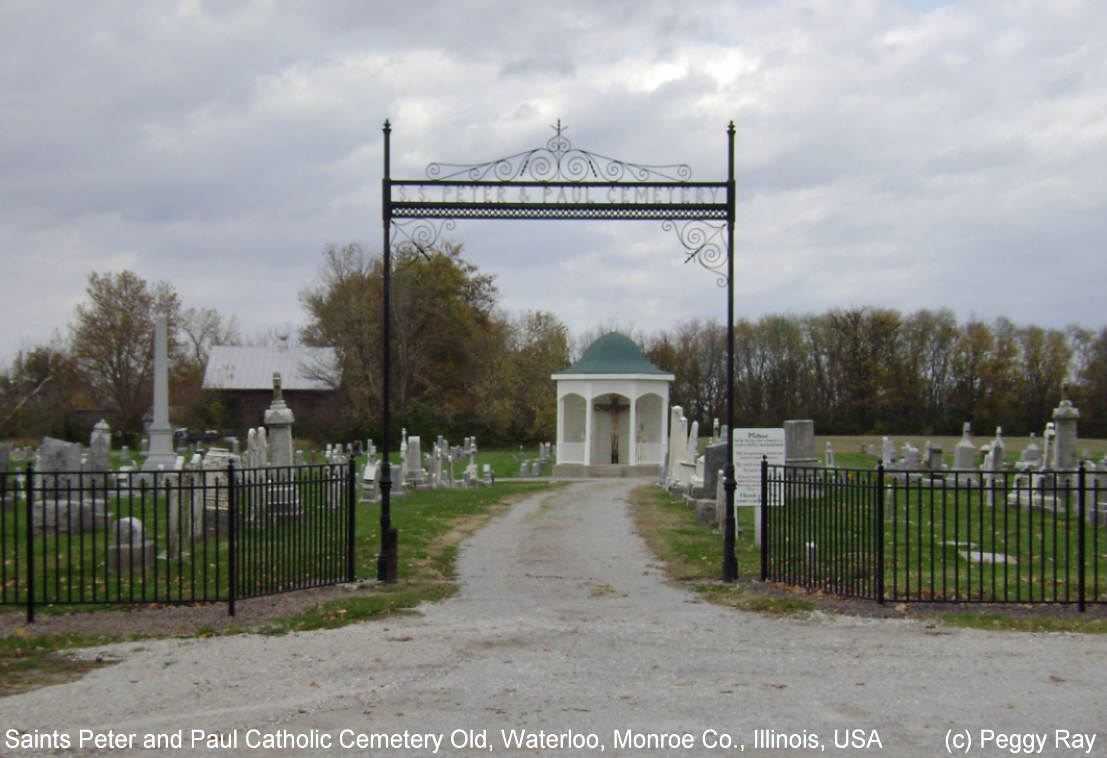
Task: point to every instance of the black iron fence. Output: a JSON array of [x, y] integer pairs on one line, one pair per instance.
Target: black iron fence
[[204, 535], [952, 536]]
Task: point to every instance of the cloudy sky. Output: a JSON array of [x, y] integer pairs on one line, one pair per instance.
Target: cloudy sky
[[895, 153]]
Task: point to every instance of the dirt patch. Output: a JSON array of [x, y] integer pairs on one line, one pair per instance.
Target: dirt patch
[[156, 620], [871, 609], [55, 668]]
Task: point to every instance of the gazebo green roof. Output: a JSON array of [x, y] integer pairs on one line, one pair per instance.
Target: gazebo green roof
[[613, 353]]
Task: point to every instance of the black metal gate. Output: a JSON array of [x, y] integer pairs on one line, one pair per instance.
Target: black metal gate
[[211, 535]]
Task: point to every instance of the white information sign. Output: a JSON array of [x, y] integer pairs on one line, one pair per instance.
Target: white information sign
[[750, 445]]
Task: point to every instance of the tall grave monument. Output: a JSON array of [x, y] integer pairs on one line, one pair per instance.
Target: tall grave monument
[[161, 454]]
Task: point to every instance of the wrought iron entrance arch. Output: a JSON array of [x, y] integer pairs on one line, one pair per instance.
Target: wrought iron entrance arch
[[559, 181]]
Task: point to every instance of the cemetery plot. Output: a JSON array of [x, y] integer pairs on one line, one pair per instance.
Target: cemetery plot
[[992, 542], [864, 534], [173, 538]]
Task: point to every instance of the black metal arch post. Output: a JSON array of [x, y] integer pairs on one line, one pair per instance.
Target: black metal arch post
[[559, 181], [387, 560]]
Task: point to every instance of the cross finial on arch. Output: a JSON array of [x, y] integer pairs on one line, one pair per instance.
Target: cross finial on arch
[[559, 128]]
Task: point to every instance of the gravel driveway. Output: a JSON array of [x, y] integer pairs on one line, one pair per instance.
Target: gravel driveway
[[567, 640]]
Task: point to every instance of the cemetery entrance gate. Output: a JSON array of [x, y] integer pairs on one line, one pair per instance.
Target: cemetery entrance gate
[[559, 181]]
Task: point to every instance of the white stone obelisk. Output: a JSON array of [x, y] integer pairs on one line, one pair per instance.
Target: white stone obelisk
[[161, 434]]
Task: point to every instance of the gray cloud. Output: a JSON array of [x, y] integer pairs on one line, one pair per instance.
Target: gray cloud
[[909, 154]]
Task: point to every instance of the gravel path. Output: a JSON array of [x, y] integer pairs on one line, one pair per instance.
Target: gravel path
[[565, 630]]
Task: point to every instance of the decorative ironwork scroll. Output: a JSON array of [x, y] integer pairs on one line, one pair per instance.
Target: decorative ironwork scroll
[[558, 181], [558, 161], [422, 233], [706, 244]]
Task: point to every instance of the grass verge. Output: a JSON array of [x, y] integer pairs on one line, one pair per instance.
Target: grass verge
[[693, 553]]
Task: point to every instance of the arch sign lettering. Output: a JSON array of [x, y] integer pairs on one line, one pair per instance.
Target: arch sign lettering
[[560, 181]]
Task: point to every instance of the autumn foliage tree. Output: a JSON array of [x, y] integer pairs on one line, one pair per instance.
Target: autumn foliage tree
[[459, 367], [113, 343]]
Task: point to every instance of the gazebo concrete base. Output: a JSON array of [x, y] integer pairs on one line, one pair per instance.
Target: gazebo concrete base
[[610, 470]]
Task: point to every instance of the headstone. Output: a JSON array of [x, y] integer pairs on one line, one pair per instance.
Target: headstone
[[278, 421], [1031, 456], [998, 449], [251, 457], [161, 453], [1049, 447], [262, 453], [686, 469], [414, 473], [910, 461], [398, 483], [99, 447], [59, 464], [370, 487], [471, 471], [888, 453], [1064, 418], [934, 459], [678, 443], [186, 510], [693, 449], [128, 549], [214, 465], [799, 443], [829, 458], [714, 462], [964, 453]]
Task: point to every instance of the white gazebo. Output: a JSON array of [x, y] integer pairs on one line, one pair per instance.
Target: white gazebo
[[612, 412]]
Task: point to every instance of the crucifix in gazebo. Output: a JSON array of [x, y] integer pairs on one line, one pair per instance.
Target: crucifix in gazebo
[[614, 408]]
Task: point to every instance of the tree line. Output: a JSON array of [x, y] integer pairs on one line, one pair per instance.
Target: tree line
[[462, 366], [872, 370]]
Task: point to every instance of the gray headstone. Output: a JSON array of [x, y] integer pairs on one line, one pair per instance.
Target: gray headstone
[[1064, 419], [279, 419], [99, 447], [714, 459], [59, 456], [799, 443], [934, 460]]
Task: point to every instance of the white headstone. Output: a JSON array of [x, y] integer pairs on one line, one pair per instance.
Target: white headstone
[[964, 454]]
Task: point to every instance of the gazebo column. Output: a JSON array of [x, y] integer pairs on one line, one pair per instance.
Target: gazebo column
[[632, 441], [588, 429], [561, 428]]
